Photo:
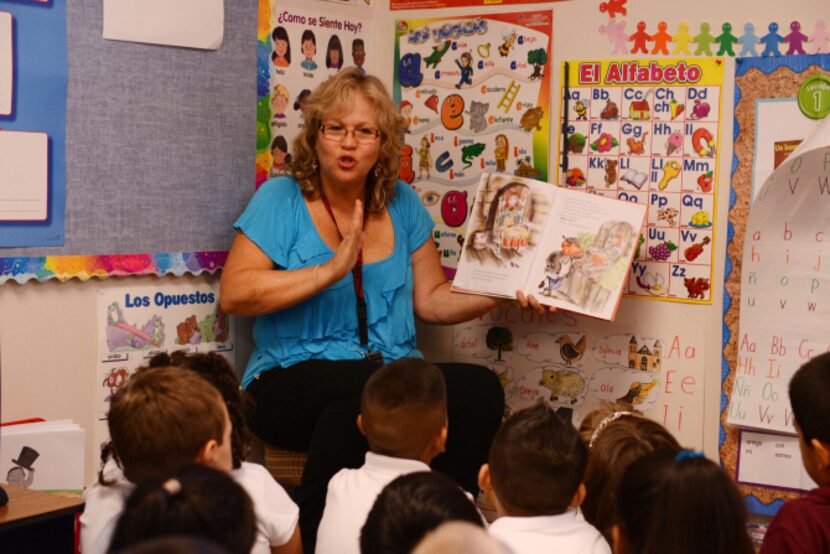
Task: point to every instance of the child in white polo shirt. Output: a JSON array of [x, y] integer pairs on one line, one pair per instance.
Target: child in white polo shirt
[[534, 475], [403, 414]]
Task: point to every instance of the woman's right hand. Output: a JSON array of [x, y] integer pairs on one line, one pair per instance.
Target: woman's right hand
[[345, 257]]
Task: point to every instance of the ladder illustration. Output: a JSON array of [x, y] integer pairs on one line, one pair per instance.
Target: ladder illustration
[[509, 96]]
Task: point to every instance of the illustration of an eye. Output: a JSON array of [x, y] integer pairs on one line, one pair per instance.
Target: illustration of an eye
[[430, 198]]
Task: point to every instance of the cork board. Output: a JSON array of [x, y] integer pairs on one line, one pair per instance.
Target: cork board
[[755, 79]]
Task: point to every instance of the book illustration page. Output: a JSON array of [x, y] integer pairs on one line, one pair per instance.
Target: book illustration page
[[585, 254], [505, 227]]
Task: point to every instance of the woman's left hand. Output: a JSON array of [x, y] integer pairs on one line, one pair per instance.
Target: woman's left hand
[[529, 301]]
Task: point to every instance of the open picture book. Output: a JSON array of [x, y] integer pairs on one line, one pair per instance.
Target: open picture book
[[569, 249]]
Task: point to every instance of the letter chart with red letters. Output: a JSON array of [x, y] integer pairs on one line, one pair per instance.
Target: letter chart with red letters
[[647, 131]]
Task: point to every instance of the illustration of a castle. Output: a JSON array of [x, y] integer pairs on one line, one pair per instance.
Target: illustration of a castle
[[643, 358]]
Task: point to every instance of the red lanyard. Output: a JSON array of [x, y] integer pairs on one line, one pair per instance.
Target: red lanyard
[[357, 274]]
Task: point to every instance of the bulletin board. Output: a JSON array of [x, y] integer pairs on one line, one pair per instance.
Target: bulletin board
[[159, 154], [755, 80]]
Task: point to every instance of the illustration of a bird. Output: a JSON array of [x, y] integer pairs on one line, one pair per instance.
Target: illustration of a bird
[[637, 392], [569, 351]]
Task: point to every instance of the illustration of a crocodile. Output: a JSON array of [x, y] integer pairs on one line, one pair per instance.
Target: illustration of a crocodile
[[437, 53], [469, 152]]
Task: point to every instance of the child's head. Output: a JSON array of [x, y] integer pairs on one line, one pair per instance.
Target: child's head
[[219, 373], [282, 46], [358, 52], [174, 544], [334, 53], [308, 43], [403, 410], [279, 150], [680, 503], [459, 537], [809, 391], [466, 58], [195, 501], [411, 506], [616, 436], [166, 418], [536, 464]]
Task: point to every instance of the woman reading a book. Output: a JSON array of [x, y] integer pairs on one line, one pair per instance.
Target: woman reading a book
[[335, 261]]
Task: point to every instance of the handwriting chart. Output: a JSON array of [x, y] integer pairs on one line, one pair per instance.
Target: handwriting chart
[[646, 131], [785, 290], [474, 92]]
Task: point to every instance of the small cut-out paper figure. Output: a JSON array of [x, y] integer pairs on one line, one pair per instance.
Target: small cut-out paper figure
[[748, 40], [704, 41], [613, 7], [771, 41], [640, 38], [726, 40], [820, 38], [23, 474], [615, 31], [661, 38], [796, 39], [681, 39]]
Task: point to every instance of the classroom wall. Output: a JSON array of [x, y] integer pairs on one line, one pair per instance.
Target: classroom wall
[[48, 333]]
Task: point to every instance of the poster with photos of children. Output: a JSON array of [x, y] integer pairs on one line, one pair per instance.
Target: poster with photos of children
[[297, 51], [647, 131], [475, 94]]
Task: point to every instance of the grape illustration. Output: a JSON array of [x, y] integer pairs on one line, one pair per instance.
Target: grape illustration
[[662, 251]]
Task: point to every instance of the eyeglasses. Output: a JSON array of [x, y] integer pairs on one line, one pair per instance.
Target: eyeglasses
[[337, 133]]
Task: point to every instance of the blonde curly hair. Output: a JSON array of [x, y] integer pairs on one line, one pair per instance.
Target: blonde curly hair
[[334, 96]]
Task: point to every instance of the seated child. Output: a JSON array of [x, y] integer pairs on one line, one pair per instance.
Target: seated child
[[459, 537], [803, 525], [403, 413], [680, 503], [410, 507], [184, 400], [616, 436], [534, 474], [195, 501]]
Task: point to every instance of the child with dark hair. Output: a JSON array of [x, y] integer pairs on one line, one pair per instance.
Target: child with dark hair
[[334, 53], [163, 419], [403, 414], [682, 503], [803, 525], [299, 103], [276, 513], [174, 544], [279, 156], [195, 501], [410, 507], [616, 436], [537, 461]]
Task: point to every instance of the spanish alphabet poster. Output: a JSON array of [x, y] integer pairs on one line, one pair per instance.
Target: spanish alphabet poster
[[475, 93], [436, 4], [139, 321], [646, 131], [297, 50]]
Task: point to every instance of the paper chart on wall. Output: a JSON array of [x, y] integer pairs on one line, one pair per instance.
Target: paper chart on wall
[[137, 322], [297, 51], [24, 176], [785, 288], [646, 131], [576, 363], [772, 461], [475, 95]]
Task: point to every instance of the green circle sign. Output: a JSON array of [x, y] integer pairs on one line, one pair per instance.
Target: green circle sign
[[814, 96]]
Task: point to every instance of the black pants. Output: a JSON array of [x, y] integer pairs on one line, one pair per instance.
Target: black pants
[[314, 406]]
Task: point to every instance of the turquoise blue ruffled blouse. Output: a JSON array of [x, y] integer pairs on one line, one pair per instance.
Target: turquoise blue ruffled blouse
[[325, 326]]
